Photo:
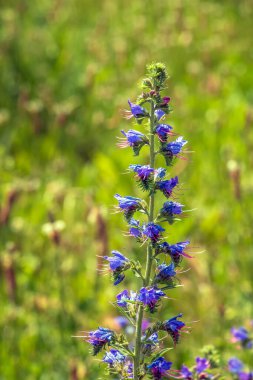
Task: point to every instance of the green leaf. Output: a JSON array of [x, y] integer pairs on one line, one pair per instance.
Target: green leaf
[[160, 353]]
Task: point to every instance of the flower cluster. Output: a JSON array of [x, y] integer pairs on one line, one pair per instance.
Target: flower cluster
[[141, 356]]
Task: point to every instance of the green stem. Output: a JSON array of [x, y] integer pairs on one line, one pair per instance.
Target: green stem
[[146, 280]]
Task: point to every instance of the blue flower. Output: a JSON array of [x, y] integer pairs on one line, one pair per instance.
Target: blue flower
[[176, 251], [150, 344], [150, 297], [153, 231], [201, 364], [153, 339], [135, 230], [165, 274], [159, 114], [172, 149], [118, 264], [172, 326], [128, 205], [144, 174], [245, 376], [134, 139], [125, 296], [242, 335], [235, 365], [175, 146], [118, 278], [118, 261], [159, 368], [170, 209], [121, 321], [167, 186], [162, 131], [160, 173], [137, 111], [122, 298], [185, 373], [113, 357], [100, 338]]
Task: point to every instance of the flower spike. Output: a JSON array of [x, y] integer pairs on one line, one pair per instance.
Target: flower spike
[[141, 356]]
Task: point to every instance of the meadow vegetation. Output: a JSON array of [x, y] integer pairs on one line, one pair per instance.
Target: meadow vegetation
[[67, 69]]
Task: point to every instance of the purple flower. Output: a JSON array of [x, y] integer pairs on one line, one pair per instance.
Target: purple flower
[[245, 376], [145, 324], [122, 298], [137, 111], [118, 278], [167, 186], [135, 230], [128, 205], [144, 175], [159, 368], [165, 274], [241, 335], [150, 344], [125, 296], [176, 251], [113, 357], [175, 146], [162, 131], [118, 264], [134, 139], [172, 149], [118, 261], [160, 173], [150, 297], [201, 364], [159, 114], [170, 209], [153, 231], [153, 339], [121, 321], [143, 172], [99, 338], [172, 326], [235, 365], [166, 100], [185, 373]]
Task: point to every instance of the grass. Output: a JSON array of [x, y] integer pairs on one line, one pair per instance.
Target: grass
[[67, 71]]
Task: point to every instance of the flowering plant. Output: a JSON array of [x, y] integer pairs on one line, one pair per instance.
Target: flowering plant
[[135, 361], [143, 355]]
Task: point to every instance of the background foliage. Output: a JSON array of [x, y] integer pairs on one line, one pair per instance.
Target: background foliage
[[67, 70]]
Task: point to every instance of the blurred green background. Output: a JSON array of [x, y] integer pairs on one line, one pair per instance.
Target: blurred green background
[[67, 69]]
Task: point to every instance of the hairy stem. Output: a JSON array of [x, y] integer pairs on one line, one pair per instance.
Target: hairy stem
[[146, 280]]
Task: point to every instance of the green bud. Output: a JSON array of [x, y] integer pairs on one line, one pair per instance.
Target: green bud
[[147, 83], [158, 73]]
